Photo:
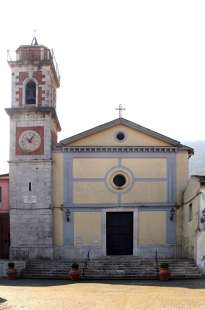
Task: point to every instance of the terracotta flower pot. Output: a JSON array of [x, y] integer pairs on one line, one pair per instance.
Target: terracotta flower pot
[[164, 273], [11, 271], [74, 272]]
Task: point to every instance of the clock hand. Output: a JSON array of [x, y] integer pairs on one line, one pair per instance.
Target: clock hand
[[30, 139]]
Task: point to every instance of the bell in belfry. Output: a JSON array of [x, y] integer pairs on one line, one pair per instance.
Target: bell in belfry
[[31, 93]]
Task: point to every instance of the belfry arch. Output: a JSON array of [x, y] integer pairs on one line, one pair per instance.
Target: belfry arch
[[30, 92]]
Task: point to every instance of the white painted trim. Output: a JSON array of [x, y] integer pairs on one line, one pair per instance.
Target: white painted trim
[[135, 231]]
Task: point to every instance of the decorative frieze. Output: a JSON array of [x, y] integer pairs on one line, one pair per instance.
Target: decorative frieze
[[127, 149]]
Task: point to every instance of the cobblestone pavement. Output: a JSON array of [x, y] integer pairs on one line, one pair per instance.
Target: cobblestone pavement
[[110, 295]]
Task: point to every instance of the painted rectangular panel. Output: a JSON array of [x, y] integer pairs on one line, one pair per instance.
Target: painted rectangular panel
[[92, 167], [152, 228], [146, 192], [108, 137], [58, 188], [92, 192], [147, 167], [87, 228]]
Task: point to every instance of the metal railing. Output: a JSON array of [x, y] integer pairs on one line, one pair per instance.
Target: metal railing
[[86, 262], [55, 63], [157, 263], [33, 56]]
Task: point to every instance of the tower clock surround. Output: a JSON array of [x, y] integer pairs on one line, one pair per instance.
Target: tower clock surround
[[30, 140]]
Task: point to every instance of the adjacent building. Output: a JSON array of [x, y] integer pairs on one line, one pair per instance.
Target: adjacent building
[[194, 220]]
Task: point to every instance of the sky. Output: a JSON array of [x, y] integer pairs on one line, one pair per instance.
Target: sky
[[147, 55]]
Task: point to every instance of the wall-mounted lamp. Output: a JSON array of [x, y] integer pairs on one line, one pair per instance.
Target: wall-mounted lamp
[[172, 214], [67, 214]]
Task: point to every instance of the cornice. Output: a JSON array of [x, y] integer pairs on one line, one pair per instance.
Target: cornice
[[35, 109]]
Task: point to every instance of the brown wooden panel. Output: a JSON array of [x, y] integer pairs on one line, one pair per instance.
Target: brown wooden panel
[[119, 227], [4, 236]]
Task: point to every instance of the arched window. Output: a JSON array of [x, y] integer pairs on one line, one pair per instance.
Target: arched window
[[30, 93]]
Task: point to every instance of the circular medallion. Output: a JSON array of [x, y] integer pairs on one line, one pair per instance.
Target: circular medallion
[[119, 179], [29, 140]]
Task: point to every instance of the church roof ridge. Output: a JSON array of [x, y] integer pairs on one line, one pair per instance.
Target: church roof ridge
[[128, 123], [4, 175]]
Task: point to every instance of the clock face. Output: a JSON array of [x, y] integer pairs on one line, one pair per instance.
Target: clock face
[[29, 140]]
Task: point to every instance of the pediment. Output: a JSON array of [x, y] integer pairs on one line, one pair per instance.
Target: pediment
[[106, 135]]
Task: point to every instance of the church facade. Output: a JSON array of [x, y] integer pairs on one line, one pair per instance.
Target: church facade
[[115, 189]]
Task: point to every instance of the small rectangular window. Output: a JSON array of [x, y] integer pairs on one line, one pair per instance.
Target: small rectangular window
[[190, 212], [0, 194], [29, 186]]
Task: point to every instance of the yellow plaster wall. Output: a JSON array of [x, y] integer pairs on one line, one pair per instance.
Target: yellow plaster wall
[[147, 167], [87, 228], [106, 137], [190, 227], [92, 192], [58, 187], [192, 189], [182, 174], [92, 167], [152, 228], [146, 192]]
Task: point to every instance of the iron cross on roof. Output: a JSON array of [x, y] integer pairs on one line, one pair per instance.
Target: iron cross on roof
[[120, 109]]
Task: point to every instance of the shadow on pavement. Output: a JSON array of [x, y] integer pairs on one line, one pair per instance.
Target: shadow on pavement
[[189, 284], [2, 300], [34, 282]]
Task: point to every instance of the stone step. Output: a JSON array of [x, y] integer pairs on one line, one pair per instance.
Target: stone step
[[109, 267], [112, 277], [90, 267], [128, 267]]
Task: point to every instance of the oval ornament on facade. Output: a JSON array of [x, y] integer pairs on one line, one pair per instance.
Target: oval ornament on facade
[[119, 179], [120, 136]]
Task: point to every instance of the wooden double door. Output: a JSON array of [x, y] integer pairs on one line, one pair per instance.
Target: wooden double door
[[4, 236], [119, 233]]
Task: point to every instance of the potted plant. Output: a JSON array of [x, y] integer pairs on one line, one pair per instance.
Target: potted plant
[[11, 271], [74, 272], [164, 273]]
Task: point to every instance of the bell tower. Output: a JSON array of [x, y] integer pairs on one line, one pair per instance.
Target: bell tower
[[33, 134]]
